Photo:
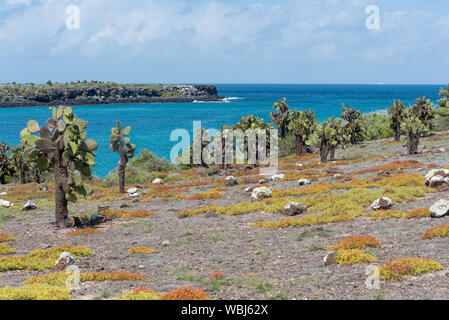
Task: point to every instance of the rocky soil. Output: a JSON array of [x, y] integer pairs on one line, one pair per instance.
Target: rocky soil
[[256, 263]]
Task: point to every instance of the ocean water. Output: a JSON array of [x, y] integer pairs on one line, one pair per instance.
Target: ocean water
[[152, 124]]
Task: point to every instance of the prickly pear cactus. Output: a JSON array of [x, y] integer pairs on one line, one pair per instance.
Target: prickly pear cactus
[[302, 125], [396, 113], [413, 128], [62, 144], [121, 144], [442, 113], [6, 164], [280, 116], [353, 127], [328, 136], [423, 109]]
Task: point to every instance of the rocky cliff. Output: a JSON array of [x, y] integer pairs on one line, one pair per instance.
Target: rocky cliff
[[90, 93]]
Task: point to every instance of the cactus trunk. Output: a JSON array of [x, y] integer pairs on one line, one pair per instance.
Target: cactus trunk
[[37, 176], [324, 151], [121, 176], [397, 136], [61, 211], [412, 144], [300, 148], [332, 153]]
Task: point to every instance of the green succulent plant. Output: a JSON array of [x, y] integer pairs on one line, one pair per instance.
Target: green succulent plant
[[62, 144], [280, 116], [302, 125], [424, 110], [328, 136], [354, 124], [6, 163], [442, 113], [396, 113], [413, 128], [121, 144]]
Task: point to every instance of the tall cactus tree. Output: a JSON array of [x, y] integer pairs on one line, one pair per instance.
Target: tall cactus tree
[[6, 165], [423, 109], [414, 128], [126, 150], [442, 113], [396, 113], [353, 127], [302, 125], [280, 116], [329, 135], [19, 162], [62, 144]]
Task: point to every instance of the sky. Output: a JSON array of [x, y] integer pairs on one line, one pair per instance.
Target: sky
[[225, 41]]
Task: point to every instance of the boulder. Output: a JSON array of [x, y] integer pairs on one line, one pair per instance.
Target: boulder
[[132, 190], [437, 181], [294, 209], [136, 195], [4, 203], [29, 205], [297, 164], [156, 181], [277, 177], [263, 181], [65, 259], [440, 209], [3, 194], [231, 181], [444, 173], [96, 219], [383, 203], [330, 258], [261, 193], [303, 182], [338, 176], [43, 187]]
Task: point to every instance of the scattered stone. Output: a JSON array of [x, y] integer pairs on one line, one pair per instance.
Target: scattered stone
[[43, 187], [231, 181], [439, 209], [101, 209], [29, 205], [303, 182], [294, 209], [263, 181], [444, 173], [3, 194], [277, 177], [65, 259], [261, 193], [338, 176], [135, 200], [124, 205], [437, 181], [297, 164], [136, 195], [132, 190], [166, 243], [157, 181], [96, 219], [330, 259], [4, 203], [383, 203], [77, 222], [442, 149]]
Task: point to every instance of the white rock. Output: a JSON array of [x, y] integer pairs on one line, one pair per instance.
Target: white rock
[[442, 150], [166, 243], [247, 189], [338, 176], [277, 177], [436, 181], [3, 194], [436, 172], [303, 182], [297, 164], [231, 181], [294, 209], [330, 259], [132, 190], [158, 181], [65, 259], [4, 203], [439, 209], [261, 193], [29, 205], [136, 195], [383, 203]]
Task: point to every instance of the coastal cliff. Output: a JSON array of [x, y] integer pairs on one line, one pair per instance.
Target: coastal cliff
[[93, 93]]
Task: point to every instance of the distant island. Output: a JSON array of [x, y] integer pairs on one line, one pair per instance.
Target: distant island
[[97, 92]]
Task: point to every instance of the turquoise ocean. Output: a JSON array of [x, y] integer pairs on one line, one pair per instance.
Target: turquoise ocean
[[152, 124]]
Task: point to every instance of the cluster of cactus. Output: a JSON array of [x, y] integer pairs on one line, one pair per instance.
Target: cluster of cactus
[[442, 113], [6, 165], [329, 135], [396, 113], [121, 144], [413, 127], [353, 127], [423, 109], [62, 144], [280, 116], [302, 125], [19, 162]]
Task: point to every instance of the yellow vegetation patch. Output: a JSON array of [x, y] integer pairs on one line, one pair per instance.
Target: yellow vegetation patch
[[418, 213], [395, 165], [440, 231], [6, 237], [398, 269], [141, 249], [186, 293], [35, 292], [5, 249], [357, 242], [211, 194], [41, 259], [306, 220], [126, 214], [139, 294], [82, 232], [351, 256], [387, 214], [59, 278]]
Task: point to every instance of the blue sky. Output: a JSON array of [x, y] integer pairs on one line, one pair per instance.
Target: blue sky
[[246, 41]]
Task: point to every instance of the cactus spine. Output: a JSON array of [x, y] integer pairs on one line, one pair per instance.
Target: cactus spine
[[396, 113], [62, 143], [121, 144], [302, 125]]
